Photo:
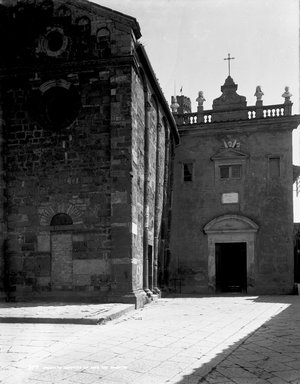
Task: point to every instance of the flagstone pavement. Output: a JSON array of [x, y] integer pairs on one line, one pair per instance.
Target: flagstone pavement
[[227, 339]]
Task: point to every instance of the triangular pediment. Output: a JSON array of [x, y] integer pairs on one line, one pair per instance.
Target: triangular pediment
[[229, 153]]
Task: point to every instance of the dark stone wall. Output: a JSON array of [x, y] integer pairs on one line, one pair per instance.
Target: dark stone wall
[[3, 226], [266, 201], [67, 124], [52, 171], [73, 102]]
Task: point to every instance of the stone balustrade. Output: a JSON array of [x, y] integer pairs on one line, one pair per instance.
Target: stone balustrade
[[250, 113]]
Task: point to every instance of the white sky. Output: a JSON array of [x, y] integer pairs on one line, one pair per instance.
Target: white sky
[[187, 41]]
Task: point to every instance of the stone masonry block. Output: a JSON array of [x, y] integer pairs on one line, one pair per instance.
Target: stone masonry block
[[121, 212], [43, 265], [119, 197], [81, 280], [43, 243], [90, 267]]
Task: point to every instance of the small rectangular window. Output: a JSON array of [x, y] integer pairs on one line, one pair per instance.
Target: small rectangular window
[[274, 167], [230, 171], [188, 172], [224, 171], [235, 171]]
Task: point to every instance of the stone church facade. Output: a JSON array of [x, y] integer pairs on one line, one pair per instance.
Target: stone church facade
[[232, 213], [91, 181], [87, 141]]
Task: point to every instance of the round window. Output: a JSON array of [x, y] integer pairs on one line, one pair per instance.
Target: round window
[[56, 108], [55, 41]]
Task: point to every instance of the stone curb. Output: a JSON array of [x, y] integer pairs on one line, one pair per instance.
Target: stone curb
[[65, 320]]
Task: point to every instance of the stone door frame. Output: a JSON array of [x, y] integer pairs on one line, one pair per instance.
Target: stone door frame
[[231, 229]]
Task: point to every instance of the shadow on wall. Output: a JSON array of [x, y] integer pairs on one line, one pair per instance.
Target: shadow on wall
[[248, 358]]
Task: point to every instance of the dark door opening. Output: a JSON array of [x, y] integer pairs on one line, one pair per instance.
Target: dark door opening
[[231, 267]]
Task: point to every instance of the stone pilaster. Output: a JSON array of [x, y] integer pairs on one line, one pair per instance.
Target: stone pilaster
[[146, 199], [157, 217], [3, 229], [122, 260], [120, 191], [259, 109]]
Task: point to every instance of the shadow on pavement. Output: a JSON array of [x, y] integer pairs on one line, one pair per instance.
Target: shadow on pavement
[[277, 331]]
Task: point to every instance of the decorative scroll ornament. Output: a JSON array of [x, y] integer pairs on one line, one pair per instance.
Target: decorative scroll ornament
[[231, 144]]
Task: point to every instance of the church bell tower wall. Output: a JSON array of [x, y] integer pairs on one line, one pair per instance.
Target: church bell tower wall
[[68, 152], [78, 112]]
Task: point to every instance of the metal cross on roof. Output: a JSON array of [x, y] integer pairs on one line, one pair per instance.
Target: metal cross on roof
[[229, 58]]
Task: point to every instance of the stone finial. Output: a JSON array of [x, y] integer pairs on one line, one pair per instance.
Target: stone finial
[[174, 105], [258, 93], [287, 95], [230, 100], [200, 99]]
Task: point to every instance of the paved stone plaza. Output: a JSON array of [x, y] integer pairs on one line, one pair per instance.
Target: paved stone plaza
[[229, 339]]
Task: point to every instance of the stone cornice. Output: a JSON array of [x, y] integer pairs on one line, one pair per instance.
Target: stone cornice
[[143, 57], [285, 123]]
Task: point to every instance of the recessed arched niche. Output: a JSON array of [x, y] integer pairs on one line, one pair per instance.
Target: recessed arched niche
[[103, 42], [85, 24], [61, 219], [56, 104]]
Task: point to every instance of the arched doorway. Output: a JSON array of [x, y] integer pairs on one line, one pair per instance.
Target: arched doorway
[[61, 252], [231, 253]]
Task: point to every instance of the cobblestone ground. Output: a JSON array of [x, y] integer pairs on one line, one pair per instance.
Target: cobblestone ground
[[184, 340]]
